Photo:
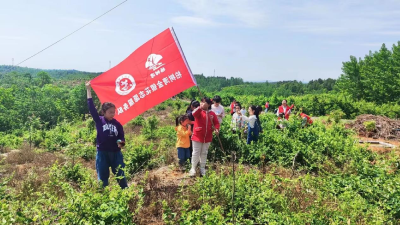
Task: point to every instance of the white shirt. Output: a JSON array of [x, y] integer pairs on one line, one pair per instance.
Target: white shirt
[[219, 111], [251, 120], [243, 111]]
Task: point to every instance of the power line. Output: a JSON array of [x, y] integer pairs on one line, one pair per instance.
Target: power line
[[70, 33]]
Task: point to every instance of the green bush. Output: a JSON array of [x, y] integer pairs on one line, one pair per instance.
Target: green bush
[[138, 157], [337, 115], [150, 127], [138, 121], [370, 125], [160, 107]]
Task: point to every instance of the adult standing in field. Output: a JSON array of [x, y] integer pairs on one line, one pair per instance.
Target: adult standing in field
[[205, 124], [266, 106], [217, 108], [284, 110], [110, 139], [253, 126], [233, 107]]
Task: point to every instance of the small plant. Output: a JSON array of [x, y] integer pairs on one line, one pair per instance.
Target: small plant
[[160, 107], [337, 115], [138, 121], [150, 127], [138, 157], [370, 125]]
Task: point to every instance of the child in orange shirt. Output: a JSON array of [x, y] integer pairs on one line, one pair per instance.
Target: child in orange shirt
[[183, 132]]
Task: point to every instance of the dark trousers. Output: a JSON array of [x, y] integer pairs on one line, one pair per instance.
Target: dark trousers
[[252, 134], [183, 155], [105, 160]]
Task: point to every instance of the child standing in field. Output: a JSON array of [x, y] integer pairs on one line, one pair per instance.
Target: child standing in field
[[253, 127], [183, 132], [193, 104], [237, 122], [217, 108], [243, 111], [110, 139], [205, 124]]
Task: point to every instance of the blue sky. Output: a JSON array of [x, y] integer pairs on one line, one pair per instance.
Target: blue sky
[[256, 40]]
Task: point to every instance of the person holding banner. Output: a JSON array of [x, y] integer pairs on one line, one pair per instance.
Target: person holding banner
[[110, 139], [206, 122]]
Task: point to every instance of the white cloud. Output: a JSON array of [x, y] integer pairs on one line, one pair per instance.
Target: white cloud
[[239, 12], [342, 17], [372, 44], [79, 20], [395, 33], [191, 20], [13, 38], [106, 30]]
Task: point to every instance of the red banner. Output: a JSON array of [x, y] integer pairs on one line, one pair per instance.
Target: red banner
[[153, 73]]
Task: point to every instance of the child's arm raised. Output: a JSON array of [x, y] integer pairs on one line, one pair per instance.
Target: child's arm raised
[[92, 108]]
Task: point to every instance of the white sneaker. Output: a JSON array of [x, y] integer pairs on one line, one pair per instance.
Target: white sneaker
[[192, 173]]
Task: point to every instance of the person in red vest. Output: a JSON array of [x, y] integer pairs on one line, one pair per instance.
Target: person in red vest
[[233, 107], [266, 106], [284, 110], [306, 119]]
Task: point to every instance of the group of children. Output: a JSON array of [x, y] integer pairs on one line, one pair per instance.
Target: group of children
[[194, 132], [194, 129]]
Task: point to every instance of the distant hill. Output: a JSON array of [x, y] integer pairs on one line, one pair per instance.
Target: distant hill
[[54, 73]]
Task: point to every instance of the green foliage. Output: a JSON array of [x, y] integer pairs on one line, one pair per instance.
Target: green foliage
[[216, 83], [335, 180], [58, 137], [160, 107], [138, 121], [337, 115], [138, 157], [150, 127], [370, 125], [79, 149], [374, 78], [57, 74], [314, 145], [72, 196], [9, 141]]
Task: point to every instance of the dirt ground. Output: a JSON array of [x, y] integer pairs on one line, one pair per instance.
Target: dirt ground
[[380, 148]]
